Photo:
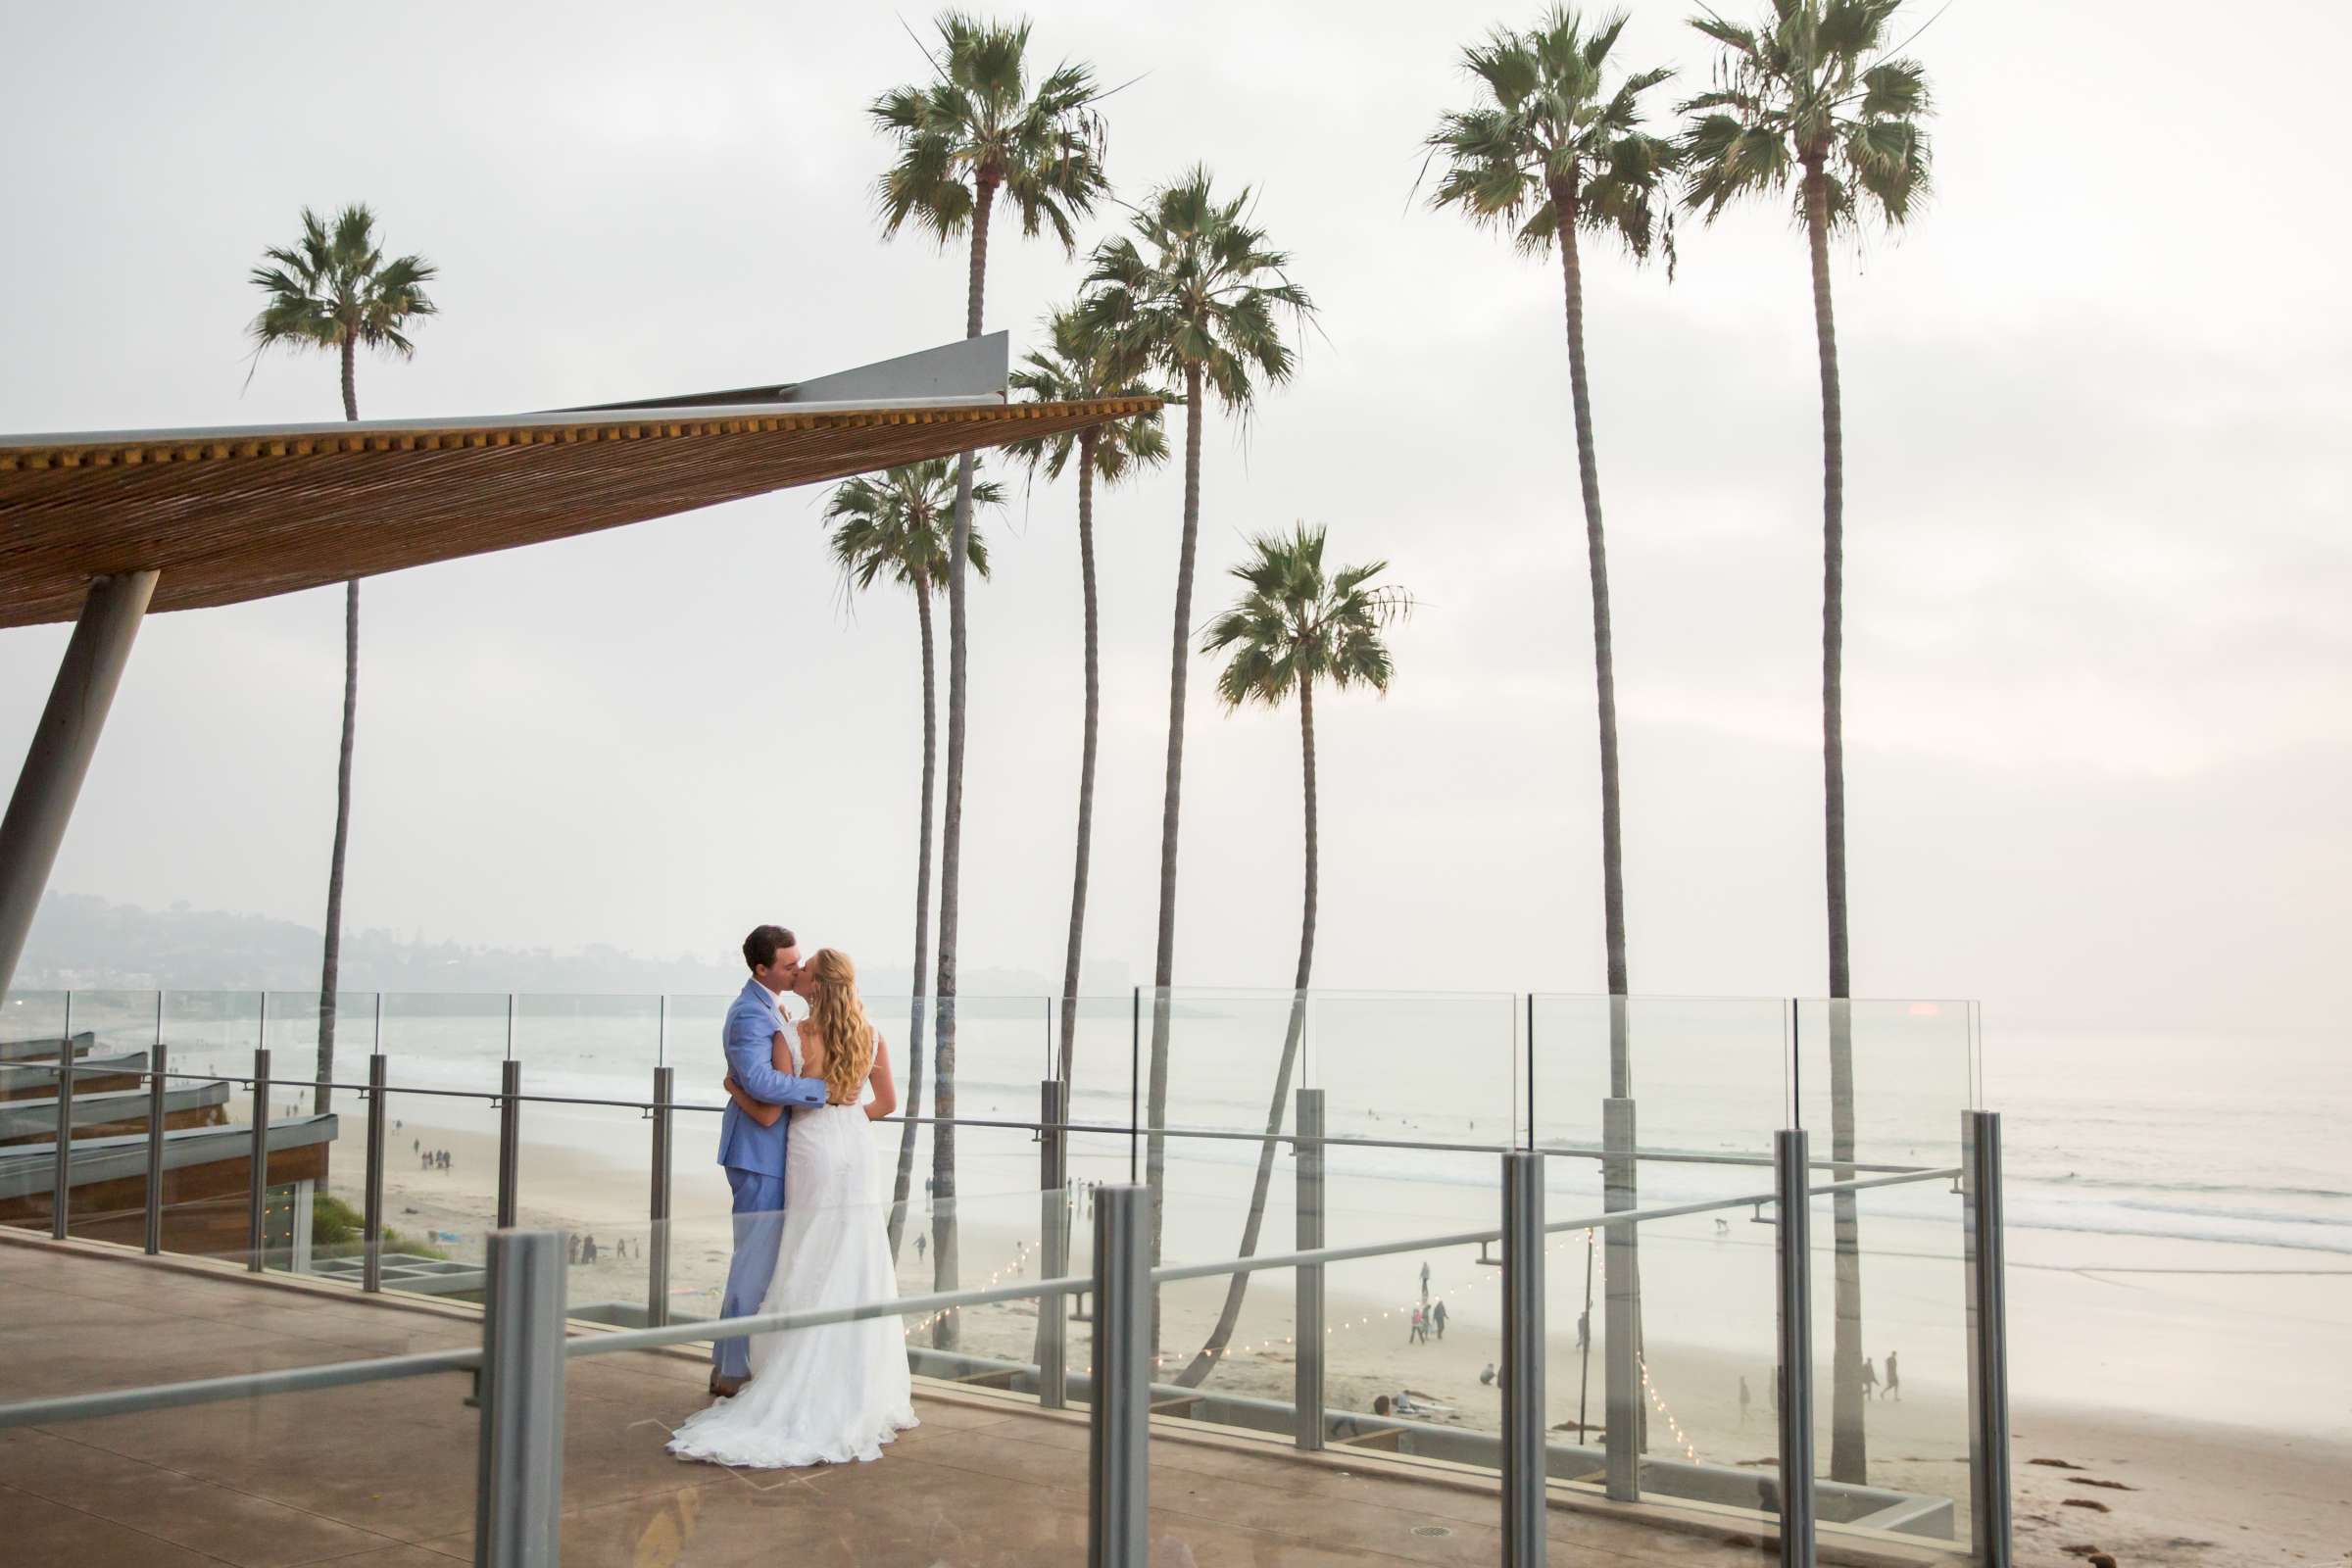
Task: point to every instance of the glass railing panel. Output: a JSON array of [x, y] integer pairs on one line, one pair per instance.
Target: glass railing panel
[[689, 1025], [1417, 1067], [30, 1021], [1705, 1083], [1891, 1414], [440, 1191], [116, 1020], [276, 1475], [973, 1216], [1703, 1357], [34, 1028], [1107, 1088], [453, 1040], [1412, 1340], [586, 1171], [597, 1044], [291, 1030], [1905, 1070]]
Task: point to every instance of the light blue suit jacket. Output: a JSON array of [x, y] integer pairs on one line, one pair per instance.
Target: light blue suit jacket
[[753, 1023]]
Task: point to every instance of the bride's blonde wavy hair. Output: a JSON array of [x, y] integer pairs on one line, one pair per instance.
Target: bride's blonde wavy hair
[[839, 1013]]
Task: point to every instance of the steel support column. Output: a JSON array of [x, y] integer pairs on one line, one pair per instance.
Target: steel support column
[[1621, 1396], [509, 1136], [1306, 1396], [1118, 1477], [657, 1252], [371, 1219], [157, 1085], [519, 1484], [60, 1177], [1054, 1239], [59, 758], [1526, 1470], [1793, 1253], [1988, 1339], [257, 1187]]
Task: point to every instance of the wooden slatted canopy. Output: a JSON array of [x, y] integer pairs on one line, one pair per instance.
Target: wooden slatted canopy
[[244, 512]]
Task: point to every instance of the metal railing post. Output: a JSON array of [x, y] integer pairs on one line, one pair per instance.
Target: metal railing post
[[510, 1138], [258, 1162], [157, 1085], [520, 1480], [1118, 1478], [61, 1180], [1793, 1253], [1988, 1339], [1306, 1397], [1053, 1239], [1526, 1469], [657, 1251], [371, 1219], [1621, 1381]]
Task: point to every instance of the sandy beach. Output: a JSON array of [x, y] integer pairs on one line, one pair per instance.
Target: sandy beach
[[2141, 1480]]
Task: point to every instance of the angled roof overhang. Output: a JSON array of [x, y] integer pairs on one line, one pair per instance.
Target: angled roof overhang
[[238, 512]]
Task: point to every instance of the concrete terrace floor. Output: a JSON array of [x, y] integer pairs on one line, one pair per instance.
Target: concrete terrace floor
[[382, 1475]]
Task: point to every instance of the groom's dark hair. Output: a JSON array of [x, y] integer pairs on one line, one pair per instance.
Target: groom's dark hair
[[760, 948]]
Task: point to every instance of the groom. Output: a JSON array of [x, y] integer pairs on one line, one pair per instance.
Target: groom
[[753, 1154]]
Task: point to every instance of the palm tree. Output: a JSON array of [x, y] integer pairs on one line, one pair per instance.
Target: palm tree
[[967, 135], [334, 290], [898, 527], [1074, 368], [1556, 152], [1200, 298], [1295, 625], [1815, 94], [974, 130]]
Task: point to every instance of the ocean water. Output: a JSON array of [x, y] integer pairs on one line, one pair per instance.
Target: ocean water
[[2194, 1139]]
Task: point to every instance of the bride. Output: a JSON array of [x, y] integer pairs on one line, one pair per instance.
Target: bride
[[822, 1396]]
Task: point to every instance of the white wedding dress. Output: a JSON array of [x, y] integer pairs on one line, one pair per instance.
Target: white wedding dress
[[829, 1395]]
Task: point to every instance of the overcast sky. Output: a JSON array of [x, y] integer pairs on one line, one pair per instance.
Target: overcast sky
[[2098, 480]]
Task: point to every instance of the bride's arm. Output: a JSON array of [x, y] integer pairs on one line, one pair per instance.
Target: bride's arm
[[886, 1086]]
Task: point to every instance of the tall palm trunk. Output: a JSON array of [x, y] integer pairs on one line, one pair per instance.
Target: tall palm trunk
[[943, 1258], [1230, 1313], [1163, 965], [1087, 443], [922, 933], [1849, 1453], [1604, 677], [1604, 672], [331, 964]]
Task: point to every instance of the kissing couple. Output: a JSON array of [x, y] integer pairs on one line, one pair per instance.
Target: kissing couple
[[811, 1230]]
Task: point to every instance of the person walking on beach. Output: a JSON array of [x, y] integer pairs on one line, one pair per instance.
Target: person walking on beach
[[1744, 1399], [1870, 1380], [1894, 1380], [1436, 1318], [1583, 1330], [1425, 1279]]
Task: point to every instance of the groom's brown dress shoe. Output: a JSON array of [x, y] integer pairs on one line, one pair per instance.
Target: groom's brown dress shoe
[[727, 1388]]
